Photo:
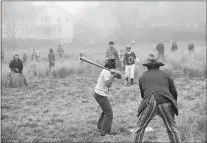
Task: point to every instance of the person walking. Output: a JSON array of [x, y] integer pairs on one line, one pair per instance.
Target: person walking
[[159, 96]]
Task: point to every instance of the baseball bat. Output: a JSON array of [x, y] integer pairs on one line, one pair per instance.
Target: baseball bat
[[91, 62]]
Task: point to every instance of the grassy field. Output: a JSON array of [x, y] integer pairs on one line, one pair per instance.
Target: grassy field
[[59, 107]]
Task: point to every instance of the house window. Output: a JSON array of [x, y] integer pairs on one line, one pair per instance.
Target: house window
[[59, 30], [58, 19]]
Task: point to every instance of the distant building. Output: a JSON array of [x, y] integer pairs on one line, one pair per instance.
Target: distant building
[[50, 22]]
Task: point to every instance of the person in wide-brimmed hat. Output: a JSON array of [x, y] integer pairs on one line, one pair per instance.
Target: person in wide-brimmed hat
[[159, 98]]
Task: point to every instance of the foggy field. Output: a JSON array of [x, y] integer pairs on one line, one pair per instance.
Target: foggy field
[[59, 106]]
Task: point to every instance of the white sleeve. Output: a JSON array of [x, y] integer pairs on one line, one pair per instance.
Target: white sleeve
[[107, 75], [137, 59]]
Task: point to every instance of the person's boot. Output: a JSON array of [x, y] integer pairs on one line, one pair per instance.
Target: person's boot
[[126, 81], [132, 80]]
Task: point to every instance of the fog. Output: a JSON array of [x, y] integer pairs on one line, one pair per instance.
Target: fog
[[100, 21]]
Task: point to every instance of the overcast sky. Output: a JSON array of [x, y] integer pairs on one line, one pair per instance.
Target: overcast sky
[[73, 7]]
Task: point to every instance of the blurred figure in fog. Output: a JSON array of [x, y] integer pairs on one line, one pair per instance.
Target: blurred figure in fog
[[34, 55], [174, 47], [60, 52], [190, 47], [51, 58], [121, 57], [160, 49], [2, 54], [25, 57], [112, 53]]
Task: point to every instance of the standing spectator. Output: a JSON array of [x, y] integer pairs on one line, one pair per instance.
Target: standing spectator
[[112, 53], [174, 47], [25, 57], [51, 58], [60, 52], [190, 47], [159, 98], [34, 55], [129, 60], [160, 49]]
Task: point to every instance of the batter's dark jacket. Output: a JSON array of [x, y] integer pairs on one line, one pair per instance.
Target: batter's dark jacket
[[160, 48], [155, 81], [16, 64]]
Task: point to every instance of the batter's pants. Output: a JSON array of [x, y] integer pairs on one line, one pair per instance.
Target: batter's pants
[[165, 111]]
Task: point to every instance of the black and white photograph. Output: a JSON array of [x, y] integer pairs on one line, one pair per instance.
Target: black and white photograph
[[103, 71]]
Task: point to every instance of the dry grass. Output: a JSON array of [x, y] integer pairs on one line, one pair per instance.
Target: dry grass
[[58, 106]]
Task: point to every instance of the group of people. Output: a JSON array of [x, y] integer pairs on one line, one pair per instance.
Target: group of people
[[124, 60], [157, 90], [160, 48], [16, 64]]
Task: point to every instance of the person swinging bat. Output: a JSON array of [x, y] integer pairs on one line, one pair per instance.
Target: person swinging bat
[[101, 94]]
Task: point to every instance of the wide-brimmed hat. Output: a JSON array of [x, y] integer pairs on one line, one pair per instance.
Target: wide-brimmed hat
[[152, 61]]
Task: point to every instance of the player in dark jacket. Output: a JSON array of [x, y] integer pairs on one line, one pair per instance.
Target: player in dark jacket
[[112, 53], [16, 64], [160, 49], [159, 98]]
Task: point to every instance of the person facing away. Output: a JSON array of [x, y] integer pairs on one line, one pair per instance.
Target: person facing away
[[190, 47], [159, 96], [105, 80], [16, 64], [129, 61], [60, 51], [34, 55], [51, 58], [25, 57], [112, 53], [174, 47], [160, 49]]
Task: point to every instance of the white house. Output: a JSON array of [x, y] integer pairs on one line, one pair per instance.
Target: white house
[[51, 22]]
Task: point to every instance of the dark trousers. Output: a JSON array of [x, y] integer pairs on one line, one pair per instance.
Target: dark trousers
[[105, 120], [165, 111]]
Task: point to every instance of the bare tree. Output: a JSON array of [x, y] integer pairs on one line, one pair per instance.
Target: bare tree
[[12, 15]]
